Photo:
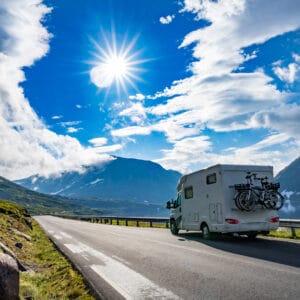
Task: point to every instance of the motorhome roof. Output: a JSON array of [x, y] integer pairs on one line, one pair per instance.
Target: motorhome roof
[[221, 167]]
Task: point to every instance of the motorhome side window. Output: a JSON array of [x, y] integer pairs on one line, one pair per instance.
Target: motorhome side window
[[178, 200], [188, 192], [212, 178]]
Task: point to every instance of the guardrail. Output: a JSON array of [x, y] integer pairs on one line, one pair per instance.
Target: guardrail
[[293, 224], [290, 223], [119, 220]]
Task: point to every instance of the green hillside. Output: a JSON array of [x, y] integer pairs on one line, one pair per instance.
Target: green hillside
[[38, 203]]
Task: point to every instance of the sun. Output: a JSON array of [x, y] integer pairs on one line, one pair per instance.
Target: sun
[[116, 66]]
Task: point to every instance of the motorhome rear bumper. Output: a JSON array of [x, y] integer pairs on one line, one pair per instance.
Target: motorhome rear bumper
[[245, 227]]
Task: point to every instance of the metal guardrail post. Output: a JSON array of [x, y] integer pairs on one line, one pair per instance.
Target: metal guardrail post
[[293, 230]]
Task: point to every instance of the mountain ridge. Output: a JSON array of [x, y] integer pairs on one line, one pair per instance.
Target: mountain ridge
[[289, 179], [120, 179]]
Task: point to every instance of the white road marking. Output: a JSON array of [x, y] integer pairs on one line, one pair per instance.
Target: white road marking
[[64, 234], [122, 260], [249, 261], [129, 283], [57, 236]]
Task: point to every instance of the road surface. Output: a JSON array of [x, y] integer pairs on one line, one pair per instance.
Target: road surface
[[146, 263]]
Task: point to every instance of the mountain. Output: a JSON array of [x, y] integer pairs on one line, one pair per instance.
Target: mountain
[[119, 179], [38, 203], [289, 179], [123, 186]]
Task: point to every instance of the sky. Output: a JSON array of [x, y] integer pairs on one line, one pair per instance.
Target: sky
[[187, 84]]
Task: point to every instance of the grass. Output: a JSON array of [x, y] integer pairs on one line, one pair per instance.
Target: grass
[[53, 277], [284, 233]]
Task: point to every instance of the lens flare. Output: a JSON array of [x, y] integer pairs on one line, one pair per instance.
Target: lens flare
[[116, 66]]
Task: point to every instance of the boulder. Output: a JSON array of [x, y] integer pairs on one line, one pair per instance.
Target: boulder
[[9, 278]]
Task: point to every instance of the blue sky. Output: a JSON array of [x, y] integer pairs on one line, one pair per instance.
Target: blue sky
[[187, 84]]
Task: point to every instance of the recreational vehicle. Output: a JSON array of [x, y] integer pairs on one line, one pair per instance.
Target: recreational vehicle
[[227, 199]]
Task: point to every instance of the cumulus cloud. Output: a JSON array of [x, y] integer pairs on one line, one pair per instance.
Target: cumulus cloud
[[219, 94], [136, 112], [138, 96], [27, 145], [166, 20], [98, 142], [100, 77], [197, 151], [74, 129], [289, 73]]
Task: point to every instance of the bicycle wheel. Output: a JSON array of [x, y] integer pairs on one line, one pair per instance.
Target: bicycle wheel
[[245, 200], [270, 200], [274, 201], [280, 200]]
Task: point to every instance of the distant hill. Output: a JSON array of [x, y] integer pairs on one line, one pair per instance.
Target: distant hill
[[289, 179], [38, 203], [121, 179]]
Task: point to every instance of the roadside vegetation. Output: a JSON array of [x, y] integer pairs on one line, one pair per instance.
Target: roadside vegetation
[[49, 275], [285, 233], [280, 232]]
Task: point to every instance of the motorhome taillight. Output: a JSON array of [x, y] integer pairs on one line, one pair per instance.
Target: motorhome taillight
[[274, 220], [232, 221]]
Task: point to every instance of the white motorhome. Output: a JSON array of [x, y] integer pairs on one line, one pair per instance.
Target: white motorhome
[[207, 201]]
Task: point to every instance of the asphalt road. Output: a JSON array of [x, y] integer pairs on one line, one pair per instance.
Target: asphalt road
[[146, 263]]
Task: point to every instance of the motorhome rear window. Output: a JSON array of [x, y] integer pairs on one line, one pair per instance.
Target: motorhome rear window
[[188, 192], [212, 178]]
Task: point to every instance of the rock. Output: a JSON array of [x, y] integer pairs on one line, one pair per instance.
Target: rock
[[9, 278], [24, 235], [19, 245], [6, 250]]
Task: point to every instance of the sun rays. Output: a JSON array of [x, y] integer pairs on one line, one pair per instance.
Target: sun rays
[[116, 66]]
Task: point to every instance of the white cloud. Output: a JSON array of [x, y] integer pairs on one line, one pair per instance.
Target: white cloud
[[290, 73], [136, 112], [166, 20], [100, 78], [219, 98], [73, 129], [185, 152], [131, 130], [197, 151], [98, 142], [57, 117], [139, 97], [78, 106], [27, 146], [69, 123], [109, 148]]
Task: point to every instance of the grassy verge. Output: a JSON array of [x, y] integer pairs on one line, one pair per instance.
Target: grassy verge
[[284, 233], [53, 276]]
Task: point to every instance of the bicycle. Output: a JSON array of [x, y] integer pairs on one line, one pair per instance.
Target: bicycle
[[248, 195]]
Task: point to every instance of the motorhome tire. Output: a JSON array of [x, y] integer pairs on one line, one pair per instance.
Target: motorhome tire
[[174, 228], [252, 235], [205, 232]]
